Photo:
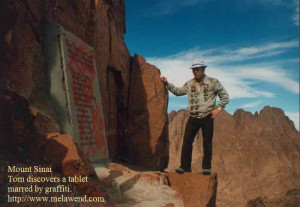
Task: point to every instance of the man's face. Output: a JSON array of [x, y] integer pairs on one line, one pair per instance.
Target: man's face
[[198, 72]]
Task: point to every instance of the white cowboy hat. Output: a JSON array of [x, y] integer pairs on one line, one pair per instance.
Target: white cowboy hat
[[198, 64]]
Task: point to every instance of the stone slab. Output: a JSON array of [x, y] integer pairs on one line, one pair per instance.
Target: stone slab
[[74, 88]]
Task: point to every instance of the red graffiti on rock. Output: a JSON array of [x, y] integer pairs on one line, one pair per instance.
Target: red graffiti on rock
[[90, 122]]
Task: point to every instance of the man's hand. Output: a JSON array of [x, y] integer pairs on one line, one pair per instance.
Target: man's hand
[[164, 79], [215, 113]]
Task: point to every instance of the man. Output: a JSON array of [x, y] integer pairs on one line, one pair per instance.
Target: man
[[202, 92]]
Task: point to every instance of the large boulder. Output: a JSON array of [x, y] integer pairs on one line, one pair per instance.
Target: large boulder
[[147, 128], [197, 190], [24, 144], [127, 187]]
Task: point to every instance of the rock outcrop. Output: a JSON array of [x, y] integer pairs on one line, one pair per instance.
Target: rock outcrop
[[254, 155], [101, 24], [291, 198], [25, 144], [147, 129], [130, 188], [196, 190], [133, 97]]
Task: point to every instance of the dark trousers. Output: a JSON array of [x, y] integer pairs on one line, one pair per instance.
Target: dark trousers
[[192, 127]]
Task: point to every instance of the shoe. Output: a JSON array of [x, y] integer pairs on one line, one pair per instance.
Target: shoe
[[188, 171], [181, 171], [206, 171]]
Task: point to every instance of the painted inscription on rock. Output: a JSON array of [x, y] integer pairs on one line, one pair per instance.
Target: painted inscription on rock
[[83, 95], [74, 90]]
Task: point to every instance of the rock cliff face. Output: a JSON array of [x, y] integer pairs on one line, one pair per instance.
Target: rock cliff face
[[291, 198], [147, 129], [30, 138], [134, 102], [101, 24], [254, 155]]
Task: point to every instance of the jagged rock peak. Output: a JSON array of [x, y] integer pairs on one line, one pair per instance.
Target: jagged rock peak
[[264, 147], [172, 115], [141, 60], [240, 114], [273, 110], [271, 116]]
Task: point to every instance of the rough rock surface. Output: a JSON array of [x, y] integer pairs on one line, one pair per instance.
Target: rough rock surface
[[129, 188], [196, 189], [290, 199], [100, 23], [147, 129], [23, 144], [254, 155], [63, 154], [28, 123]]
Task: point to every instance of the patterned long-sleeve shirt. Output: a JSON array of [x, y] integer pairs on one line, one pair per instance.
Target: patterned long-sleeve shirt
[[202, 95]]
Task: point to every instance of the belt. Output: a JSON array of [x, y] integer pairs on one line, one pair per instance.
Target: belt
[[194, 113], [197, 114]]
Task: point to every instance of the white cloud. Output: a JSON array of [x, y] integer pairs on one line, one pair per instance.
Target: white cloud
[[294, 117], [225, 56], [221, 55], [267, 47], [228, 65], [252, 105], [272, 74]]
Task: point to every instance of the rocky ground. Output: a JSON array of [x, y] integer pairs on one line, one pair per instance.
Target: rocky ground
[[129, 188], [30, 138], [290, 199]]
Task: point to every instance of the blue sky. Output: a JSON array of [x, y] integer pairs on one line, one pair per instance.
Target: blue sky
[[251, 46]]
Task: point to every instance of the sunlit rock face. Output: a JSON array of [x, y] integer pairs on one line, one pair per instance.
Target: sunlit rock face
[[147, 129], [254, 155], [100, 24]]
